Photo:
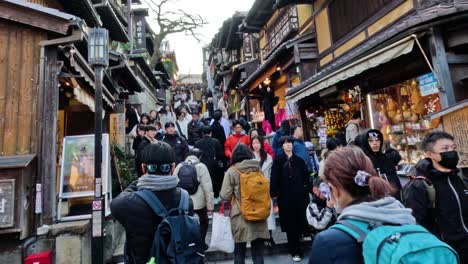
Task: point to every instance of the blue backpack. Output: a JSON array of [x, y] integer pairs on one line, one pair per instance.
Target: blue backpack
[[177, 239], [394, 244]]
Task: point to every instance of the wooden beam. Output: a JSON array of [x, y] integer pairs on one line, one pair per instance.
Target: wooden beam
[[34, 18], [441, 68], [457, 59], [49, 100]]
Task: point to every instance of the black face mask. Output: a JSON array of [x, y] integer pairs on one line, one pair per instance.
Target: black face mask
[[449, 159]]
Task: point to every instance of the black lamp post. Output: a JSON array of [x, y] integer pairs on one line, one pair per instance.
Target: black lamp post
[[98, 58]]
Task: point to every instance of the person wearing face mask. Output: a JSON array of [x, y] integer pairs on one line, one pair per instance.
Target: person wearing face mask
[[447, 214]]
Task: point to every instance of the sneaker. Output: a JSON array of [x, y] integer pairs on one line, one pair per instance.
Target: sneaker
[[297, 258]]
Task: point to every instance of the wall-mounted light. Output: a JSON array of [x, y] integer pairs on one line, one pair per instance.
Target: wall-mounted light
[[267, 81]]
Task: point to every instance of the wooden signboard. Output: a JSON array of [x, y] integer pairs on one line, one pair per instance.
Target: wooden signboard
[[7, 203], [117, 129]]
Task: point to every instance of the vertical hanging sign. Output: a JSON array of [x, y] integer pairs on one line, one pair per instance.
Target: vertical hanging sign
[[140, 30]]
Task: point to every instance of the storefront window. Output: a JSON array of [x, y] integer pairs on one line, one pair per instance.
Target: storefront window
[[399, 112]]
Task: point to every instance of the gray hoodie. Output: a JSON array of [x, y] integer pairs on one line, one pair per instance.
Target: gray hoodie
[[386, 210]]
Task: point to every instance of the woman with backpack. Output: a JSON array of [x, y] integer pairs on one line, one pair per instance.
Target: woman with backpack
[[243, 230], [372, 226], [266, 162], [290, 184]]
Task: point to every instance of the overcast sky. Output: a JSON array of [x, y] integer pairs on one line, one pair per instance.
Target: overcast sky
[[188, 50]]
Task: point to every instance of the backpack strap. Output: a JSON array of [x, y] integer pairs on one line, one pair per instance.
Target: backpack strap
[[184, 200], [152, 201], [354, 228], [431, 193]]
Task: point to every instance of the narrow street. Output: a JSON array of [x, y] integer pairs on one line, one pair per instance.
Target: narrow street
[[328, 131]]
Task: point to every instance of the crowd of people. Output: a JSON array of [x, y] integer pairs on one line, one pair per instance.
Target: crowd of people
[[354, 181]]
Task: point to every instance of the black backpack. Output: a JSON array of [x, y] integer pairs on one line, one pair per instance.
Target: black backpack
[[341, 135], [177, 239], [188, 178]]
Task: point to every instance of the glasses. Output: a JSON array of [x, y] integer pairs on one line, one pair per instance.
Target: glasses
[[164, 168]]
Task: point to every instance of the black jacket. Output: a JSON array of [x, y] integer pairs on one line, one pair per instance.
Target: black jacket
[[290, 183], [451, 203], [382, 163], [178, 144], [139, 154], [218, 132], [194, 132], [139, 220], [136, 142], [211, 148]]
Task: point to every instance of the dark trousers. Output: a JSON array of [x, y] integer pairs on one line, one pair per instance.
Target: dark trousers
[[294, 242], [461, 247], [203, 216], [257, 252]]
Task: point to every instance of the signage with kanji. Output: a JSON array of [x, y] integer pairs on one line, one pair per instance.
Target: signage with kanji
[[140, 32], [7, 203]]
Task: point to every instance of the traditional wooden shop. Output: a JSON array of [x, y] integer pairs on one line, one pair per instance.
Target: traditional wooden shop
[[396, 79]]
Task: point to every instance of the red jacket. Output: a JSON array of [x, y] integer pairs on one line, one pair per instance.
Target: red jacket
[[232, 141]]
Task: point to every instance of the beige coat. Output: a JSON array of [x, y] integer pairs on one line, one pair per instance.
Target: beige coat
[[204, 196], [242, 230]]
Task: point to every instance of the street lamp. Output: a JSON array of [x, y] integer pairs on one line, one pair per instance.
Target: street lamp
[[98, 58]]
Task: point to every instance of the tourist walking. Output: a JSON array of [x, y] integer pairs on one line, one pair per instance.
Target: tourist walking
[[290, 185]]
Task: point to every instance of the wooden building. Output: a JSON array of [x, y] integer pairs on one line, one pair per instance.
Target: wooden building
[[285, 39], [395, 62], [46, 94]]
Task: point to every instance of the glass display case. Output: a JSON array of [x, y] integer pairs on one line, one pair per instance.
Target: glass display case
[[399, 112]]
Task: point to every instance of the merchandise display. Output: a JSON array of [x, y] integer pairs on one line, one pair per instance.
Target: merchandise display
[[399, 112]]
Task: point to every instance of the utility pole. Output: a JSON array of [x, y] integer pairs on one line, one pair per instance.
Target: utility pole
[[98, 58]]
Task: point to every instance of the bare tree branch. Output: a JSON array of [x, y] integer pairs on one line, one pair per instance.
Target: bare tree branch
[[172, 22]]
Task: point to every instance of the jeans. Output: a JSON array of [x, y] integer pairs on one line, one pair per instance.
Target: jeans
[[203, 216], [257, 252]]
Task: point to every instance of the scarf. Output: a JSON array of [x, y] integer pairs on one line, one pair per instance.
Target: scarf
[[157, 183]]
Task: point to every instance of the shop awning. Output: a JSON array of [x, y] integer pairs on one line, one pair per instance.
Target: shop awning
[[85, 98], [82, 67], [395, 50]]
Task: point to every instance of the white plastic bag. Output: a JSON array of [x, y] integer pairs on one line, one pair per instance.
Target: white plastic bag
[[271, 220], [221, 234]]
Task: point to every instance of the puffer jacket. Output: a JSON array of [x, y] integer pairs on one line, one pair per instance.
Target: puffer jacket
[[334, 246], [178, 144], [139, 220], [204, 195], [449, 218], [242, 230], [232, 141]]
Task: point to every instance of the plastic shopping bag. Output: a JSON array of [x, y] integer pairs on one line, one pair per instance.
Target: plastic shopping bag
[[221, 234], [271, 221]]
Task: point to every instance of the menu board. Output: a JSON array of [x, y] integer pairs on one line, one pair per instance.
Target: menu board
[[7, 203]]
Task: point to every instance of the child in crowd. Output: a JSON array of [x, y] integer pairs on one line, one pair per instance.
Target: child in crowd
[[320, 212]]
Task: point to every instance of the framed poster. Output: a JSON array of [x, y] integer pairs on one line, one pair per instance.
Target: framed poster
[[7, 203], [76, 187]]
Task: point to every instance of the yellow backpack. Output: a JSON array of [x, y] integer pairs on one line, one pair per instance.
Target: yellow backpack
[[255, 195]]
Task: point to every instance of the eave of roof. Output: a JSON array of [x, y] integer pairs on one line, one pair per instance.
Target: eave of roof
[[412, 24], [38, 16], [109, 17], [258, 15]]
